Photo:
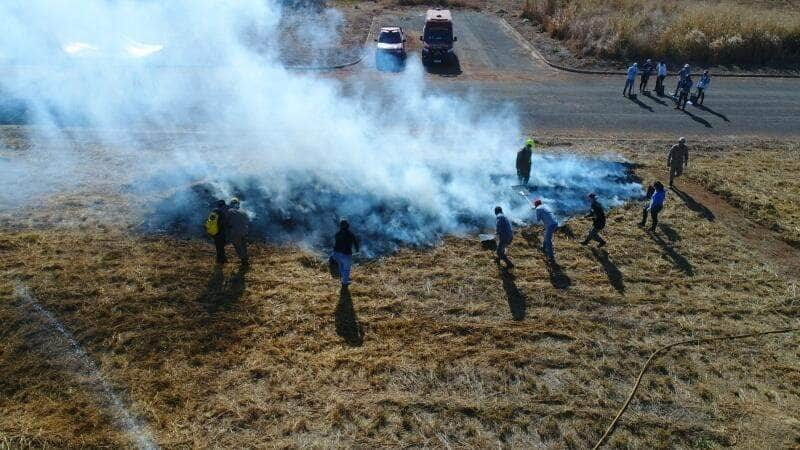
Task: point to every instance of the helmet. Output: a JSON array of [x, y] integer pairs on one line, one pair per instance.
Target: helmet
[[344, 224], [682, 140], [529, 143], [235, 202], [537, 202], [592, 195], [635, 64], [649, 60], [220, 203], [685, 66]]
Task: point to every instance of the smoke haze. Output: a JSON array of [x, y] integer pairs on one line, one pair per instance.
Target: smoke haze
[[406, 166]]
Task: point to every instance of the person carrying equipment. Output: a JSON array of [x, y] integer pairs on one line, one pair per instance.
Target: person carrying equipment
[[646, 207], [685, 72], [702, 85], [656, 205], [344, 243], [662, 73], [677, 159], [631, 79], [544, 215], [236, 226], [505, 234], [215, 227], [685, 88], [524, 162], [598, 216], [647, 70]]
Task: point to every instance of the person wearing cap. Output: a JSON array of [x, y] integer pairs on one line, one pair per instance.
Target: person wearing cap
[[655, 206], [504, 235], [219, 239], [546, 217], [662, 74], [236, 226], [684, 72], [598, 216], [633, 70], [677, 159], [647, 70], [344, 244], [524, 162], [684, 88], [702, 85]]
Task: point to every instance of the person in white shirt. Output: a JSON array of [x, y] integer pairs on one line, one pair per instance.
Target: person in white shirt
[[546, 217]]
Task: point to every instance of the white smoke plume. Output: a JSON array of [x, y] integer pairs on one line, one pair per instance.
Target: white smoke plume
[[406, 166]]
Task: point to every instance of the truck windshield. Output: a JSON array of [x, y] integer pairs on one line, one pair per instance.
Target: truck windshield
[[438, 35], [390, 37]]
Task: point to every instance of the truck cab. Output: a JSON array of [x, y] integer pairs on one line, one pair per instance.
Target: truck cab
[[437, 37]]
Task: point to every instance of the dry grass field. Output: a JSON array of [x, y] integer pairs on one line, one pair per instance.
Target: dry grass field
[[429, 348], [747, 32]]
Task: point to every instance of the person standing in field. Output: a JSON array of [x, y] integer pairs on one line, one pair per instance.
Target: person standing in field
[[661, 74], [646, 206], [219, 239], [633, 70], [236, 227], [702, 85], [677, 160], [656, 205], [546, 217], [598, 216], [524, 162], [647, 70], [504, 236], [344, 244]]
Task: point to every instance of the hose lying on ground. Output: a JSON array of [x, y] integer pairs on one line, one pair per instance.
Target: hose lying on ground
[[621, 411]]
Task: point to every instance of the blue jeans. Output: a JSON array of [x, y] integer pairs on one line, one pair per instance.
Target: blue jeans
[[547, 245], [344, 262], [628, 86]]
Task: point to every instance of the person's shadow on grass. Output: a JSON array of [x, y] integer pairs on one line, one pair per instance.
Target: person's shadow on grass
[[640, 103], [516, 299], [678, 260], [711, 111], [698, 119], [694, 205], [345, 319], [221, 293], [612, 271]]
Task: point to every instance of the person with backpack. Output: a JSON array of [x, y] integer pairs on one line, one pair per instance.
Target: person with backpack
[[656, 205], [633, 70], [661, 75], [524, 162], [685, 87], [545, 215], [344, 244], [237, 224], [647, 70], [702, 85], [598, 216], [505, 234], [215, 227]]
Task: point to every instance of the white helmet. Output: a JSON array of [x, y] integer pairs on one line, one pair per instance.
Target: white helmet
[[682, 140]]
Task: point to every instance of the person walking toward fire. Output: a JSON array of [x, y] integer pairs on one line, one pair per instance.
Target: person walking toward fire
[[344, 244], [237, 224], [504, 236], [677, 160], [524, 162], [598, 216], [546, 217], [656, 205], [215, 227]]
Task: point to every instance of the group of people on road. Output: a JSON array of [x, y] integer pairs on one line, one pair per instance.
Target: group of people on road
[[677, 161], [683, 90]]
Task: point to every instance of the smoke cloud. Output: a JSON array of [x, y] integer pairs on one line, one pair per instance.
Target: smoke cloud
[[406, 166]]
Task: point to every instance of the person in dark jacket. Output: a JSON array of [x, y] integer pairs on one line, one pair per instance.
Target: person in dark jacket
[[677, 159], [684, 88], [504, 235], [598, 216], [524, 162], [656, 205], [344, 244], [237, 224], [219, 239], [647, 70]]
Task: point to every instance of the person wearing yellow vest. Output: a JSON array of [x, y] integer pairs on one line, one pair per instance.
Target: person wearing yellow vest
[[524, 162]]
